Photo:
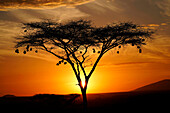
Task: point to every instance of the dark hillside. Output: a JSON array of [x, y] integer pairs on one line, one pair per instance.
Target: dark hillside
[[150, 98], [130, 101], [40, 102], [163, 85]]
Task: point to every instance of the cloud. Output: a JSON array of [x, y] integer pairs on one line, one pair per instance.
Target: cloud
[[132, 63], [165, 5], [138, 11], [4, 4]]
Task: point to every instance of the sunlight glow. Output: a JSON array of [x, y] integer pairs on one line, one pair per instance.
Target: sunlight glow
[[83, 84]]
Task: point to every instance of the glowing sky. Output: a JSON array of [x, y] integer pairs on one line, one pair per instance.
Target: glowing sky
[[37, 73]]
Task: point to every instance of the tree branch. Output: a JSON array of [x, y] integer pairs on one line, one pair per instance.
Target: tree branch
[[95, 64], [45, 48], [77, 74]]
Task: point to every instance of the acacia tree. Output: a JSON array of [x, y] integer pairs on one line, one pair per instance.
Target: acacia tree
[[75, 42]]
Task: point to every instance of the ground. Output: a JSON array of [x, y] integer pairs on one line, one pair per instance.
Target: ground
[[108, 102]]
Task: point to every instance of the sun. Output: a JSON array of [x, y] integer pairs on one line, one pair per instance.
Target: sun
[[83, 83]]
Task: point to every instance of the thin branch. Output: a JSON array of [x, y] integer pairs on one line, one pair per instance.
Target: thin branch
[[84, 58], [95, 64], [77, 75], [45, 48], [78, 70], [56, 44]]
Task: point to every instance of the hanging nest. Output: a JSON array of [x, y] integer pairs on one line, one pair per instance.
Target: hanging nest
[[138, 47], [24, 52], [94, 50], [27, 48], [17, 51], [57, 64]]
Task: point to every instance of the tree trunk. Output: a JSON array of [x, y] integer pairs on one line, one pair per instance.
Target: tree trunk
[[83, 91]]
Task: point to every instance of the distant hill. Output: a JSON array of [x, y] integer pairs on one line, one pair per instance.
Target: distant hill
[[163, 85], [151, 101]]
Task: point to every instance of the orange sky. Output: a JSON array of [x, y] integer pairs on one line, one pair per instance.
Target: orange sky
[[37, 73]]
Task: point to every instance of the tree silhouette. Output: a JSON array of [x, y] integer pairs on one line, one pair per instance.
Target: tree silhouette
[[76, 42]]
